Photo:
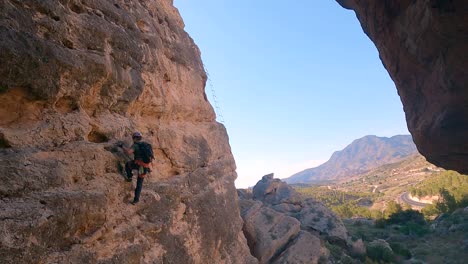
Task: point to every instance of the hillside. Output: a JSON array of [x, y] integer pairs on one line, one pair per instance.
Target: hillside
[[430, 235], [359, 157], [437, 241], [389, 181], [371, 191], [365, 194]]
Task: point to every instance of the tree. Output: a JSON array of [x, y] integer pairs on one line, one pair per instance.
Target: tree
[[407, 216], [429, 211], [463, 202], [446, 202], [376, 214], [392, 208], [406, 207], [343, 211]]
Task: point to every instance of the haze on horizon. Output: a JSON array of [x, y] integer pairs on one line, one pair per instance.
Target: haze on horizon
[[295, 82]]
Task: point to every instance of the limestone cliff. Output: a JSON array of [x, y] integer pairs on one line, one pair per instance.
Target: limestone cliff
[[423, 45], [77, 75]]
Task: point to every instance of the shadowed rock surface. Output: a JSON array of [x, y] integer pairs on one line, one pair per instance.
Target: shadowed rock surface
[[77, 76], [423, 44], [282, 227], [267, 230], [305, 248]]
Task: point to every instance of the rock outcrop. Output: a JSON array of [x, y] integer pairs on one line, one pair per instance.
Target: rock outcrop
[[283, 227], [75, 77], [423, 46], [267, 230]]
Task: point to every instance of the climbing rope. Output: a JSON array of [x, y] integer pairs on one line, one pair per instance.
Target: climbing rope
[[219, 115]]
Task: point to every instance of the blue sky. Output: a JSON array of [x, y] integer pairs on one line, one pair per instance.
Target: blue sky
[[294, 81]]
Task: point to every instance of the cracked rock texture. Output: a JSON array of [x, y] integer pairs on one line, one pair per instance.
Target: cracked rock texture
[[75, 77], [283, 227], [423, 45]]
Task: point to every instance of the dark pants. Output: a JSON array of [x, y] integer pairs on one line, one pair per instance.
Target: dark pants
[[129, 166], [138, 189]]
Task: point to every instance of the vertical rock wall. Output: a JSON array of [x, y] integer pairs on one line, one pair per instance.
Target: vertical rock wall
[[423, 45], [77, 75]]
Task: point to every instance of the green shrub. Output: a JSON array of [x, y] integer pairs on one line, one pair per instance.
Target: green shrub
[[414, 229], [409, 222], [380, 223], [392, 208], [429, 211], [376, 214], [399, 249], [447, 202], [345, 259], [379, 250], [368, 261], [463, 202], [404, 217], [335, 251], [363, 234], [456, 184]]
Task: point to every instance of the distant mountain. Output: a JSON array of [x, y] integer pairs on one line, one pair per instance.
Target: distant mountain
[[359, 157]]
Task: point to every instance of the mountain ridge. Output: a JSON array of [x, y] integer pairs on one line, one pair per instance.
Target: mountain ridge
[[361, 155]]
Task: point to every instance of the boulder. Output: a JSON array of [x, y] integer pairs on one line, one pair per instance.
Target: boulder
[[313, 215], [283, 227], [305, 249], [274, 191], [268, 231]]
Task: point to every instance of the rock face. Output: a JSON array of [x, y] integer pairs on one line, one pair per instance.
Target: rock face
[[423, 46], [282, 227], [78, 75]]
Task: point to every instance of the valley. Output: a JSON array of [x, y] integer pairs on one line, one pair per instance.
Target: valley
[[409, 211], [410, 181]]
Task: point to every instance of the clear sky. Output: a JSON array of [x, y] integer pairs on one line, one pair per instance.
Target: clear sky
[[295, 81]]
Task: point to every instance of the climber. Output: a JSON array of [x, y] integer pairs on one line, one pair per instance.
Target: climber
[[143, 156]]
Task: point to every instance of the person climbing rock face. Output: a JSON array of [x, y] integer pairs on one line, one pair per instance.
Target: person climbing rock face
[[142, 158]]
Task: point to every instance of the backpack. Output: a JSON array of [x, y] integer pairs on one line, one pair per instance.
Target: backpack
[[146, 149]]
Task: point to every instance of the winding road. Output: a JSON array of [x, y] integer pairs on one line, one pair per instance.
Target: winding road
[[405, 198]]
